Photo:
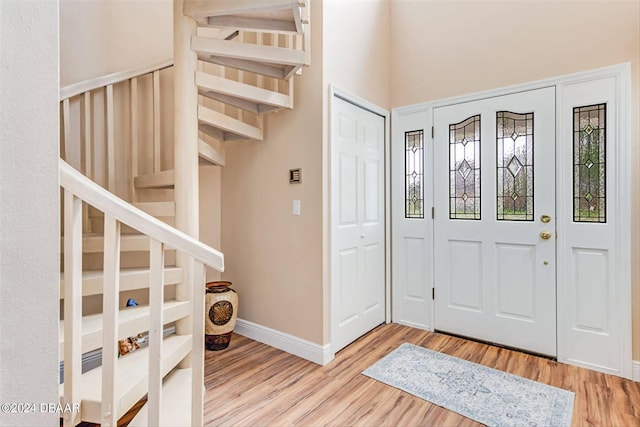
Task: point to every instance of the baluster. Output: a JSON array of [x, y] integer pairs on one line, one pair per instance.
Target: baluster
[[85, 123], [275, 42], [259, 77], [86, 133], [111, 146], [156, 121], [222, 107], [134, 135], [110, 295], [241, 76], [197, 353], [290, 42], [259, 83], [306, 13], [72, 304], [66, 130], [156, 322]]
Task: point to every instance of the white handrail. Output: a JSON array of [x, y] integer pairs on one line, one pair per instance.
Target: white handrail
[[110, 79], [107, 202]]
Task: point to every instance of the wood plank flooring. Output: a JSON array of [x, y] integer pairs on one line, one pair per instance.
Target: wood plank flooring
[[252, 384]]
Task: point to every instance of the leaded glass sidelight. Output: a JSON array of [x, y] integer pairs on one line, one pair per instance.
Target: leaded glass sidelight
[[589, 163], [514, 163], [464, 169], [414, 174]]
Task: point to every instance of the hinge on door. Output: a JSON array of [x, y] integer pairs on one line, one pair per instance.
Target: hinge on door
[[433, 293], [433, 213], [432, 132]]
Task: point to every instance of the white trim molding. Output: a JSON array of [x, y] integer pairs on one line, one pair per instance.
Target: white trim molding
[[636, 370], [316, 353]]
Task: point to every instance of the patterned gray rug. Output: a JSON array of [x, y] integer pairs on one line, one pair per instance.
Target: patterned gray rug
[[486, 395]]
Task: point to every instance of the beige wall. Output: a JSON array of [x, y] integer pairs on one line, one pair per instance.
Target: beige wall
[[273, 258], [444, 48], [357, 48], [99, 37]]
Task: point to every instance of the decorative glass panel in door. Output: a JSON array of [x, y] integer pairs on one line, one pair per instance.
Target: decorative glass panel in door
[[514, 158]]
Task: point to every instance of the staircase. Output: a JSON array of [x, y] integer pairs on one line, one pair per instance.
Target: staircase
[[235, 60]]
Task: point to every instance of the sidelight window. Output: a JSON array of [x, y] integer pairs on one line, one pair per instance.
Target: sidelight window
[[589, 163], [414, 174]]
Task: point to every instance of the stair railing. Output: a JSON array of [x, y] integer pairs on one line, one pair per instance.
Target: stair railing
[[78, 189], [85, 93]]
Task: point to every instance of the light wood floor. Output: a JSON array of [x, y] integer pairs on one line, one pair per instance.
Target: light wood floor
[[252, 384]]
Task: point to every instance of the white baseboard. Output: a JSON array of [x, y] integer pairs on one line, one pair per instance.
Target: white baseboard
[[635, 370], [316, 353]]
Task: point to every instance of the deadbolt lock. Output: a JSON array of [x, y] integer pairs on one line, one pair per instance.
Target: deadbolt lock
[[546, 235], [545, 218]]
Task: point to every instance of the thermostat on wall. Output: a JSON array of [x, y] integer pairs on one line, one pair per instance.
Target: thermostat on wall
[[295, 176]]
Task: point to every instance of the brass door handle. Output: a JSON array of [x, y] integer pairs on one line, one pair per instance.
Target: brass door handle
[[546, 235], [545, 218]]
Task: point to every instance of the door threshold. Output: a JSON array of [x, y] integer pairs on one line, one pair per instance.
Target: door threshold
[[495, 344]]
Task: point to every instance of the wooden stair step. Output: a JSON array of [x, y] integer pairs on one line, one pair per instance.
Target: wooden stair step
[[228, 125], [252, 15], [97, 225], [131, 378], [271, 61], [97, 222], [130, 279], [165, 178], [94, 243], [132, 320], [241, 95], [211, 154], [157, 209], [175, 408]]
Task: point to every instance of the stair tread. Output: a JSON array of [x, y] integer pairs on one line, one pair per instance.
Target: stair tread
[[129, 242], [165, 178], [209, 117], [211, 154], [131, 378], [271, 55], [253, 8], [242, 95], [131, 320], [176, 401], [130, 279], [157, 209]]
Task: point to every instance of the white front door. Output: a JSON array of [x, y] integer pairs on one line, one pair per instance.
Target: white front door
[[494, 228], [357, 222]]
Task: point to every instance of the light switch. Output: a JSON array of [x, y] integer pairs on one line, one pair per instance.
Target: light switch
[[296, 207]]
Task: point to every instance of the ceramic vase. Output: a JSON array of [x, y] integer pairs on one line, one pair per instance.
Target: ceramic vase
[[221, 312]]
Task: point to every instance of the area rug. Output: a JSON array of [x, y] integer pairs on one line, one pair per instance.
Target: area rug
[[486, 395]]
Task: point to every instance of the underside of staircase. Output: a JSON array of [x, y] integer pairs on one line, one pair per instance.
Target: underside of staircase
[[248, 53]]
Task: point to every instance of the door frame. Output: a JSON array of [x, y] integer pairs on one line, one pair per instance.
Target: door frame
[[621, 179], [335, 92]]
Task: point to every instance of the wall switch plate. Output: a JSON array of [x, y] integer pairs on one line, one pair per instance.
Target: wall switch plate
[[296, 207]]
